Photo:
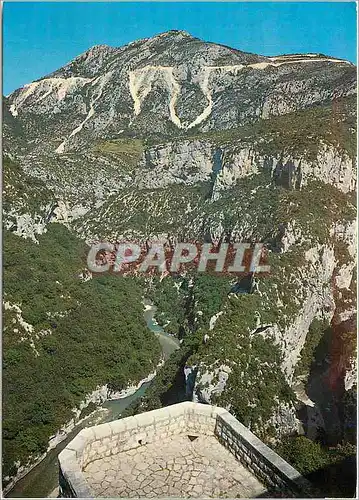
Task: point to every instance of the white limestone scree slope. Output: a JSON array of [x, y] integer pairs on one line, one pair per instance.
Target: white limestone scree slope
[[141, 81], [184, 450], [167, 84]]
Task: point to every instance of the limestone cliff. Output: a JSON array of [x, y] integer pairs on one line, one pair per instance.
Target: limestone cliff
[[176, 139]]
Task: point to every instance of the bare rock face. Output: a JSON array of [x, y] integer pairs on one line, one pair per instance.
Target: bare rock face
[[173, 138], [351, 375], [190, 162], [187, 162], [209, 384], [166, 85]]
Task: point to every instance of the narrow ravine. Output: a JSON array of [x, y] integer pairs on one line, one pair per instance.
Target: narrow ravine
[[42, 480]]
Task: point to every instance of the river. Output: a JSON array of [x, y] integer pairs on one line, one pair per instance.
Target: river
[[42, 480]]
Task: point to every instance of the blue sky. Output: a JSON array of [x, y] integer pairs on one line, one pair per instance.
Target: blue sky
[[41, 37]]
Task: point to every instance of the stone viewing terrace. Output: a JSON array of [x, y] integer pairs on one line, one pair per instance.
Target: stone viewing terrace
[[184, 450]]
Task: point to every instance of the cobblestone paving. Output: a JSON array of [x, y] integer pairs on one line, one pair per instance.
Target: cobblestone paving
[[176, 466]]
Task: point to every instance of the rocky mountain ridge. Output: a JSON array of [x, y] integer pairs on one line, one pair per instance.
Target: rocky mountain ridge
[[168, 84], [175, 139]]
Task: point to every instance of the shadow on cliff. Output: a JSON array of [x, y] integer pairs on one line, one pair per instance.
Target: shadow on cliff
[[326, 384], [335, 481]]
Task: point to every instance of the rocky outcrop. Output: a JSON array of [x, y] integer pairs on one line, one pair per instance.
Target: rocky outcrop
[[210, 383], [351, 375], [192, 161], [26, 225], [184, 162], [317, 280], [173, 138], [315, 296], [169, 83]]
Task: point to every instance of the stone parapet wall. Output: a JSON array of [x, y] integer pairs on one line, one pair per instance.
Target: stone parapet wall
[[259, 459], [189, 418]]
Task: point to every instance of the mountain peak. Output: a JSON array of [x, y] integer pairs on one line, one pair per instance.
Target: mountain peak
[[173, 81], [171, 35], [175, 33]]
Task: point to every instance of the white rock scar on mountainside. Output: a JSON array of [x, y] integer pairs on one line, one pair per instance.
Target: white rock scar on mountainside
[[103, 80], [140, 83], [43, 88]]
